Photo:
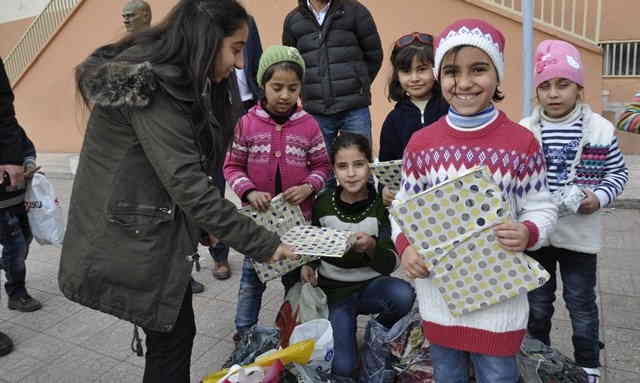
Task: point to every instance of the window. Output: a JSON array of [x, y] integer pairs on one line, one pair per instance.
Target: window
[[621, 58]]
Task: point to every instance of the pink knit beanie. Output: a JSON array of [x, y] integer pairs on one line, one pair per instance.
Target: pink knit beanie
[[557, 59]]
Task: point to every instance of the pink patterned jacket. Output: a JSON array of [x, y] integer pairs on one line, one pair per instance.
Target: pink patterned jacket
[[261, 146]]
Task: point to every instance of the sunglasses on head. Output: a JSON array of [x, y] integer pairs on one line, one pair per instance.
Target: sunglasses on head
[[420, 37]]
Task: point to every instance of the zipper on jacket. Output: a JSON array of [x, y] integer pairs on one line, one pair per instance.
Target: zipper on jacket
[[164, 210]]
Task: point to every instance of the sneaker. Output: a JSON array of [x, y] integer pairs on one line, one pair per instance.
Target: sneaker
[[593, 374], [196, 287], [221, 270], [6, 344], [24, 303]]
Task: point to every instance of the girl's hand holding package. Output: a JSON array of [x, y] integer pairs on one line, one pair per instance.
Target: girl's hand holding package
[[364, 243], [413, 264], [590, 204], [512, 236], [296, 194], [308, 275], [388, 196], [259, 200]]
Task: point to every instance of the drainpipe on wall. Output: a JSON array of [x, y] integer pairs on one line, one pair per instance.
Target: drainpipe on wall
[[527, 56]]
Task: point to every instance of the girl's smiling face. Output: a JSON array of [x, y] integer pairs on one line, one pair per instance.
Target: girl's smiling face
[[351, 168], [468, 80], [418, 80]]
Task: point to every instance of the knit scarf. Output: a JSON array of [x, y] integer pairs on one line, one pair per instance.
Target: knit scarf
[[473, 121]]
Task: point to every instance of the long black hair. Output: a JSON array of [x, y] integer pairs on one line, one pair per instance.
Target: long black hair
[[189, 38]]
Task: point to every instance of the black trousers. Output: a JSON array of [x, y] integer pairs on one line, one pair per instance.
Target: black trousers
[[168, 357]]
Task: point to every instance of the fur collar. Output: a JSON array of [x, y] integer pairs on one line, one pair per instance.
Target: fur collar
[[116, 83]]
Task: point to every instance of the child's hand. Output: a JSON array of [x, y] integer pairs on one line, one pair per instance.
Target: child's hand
[[309, 275], [512, 236], [259, 200], [413, 264], [296, 194], [387, 196], [364, 243], [30, 171], [590, 204]]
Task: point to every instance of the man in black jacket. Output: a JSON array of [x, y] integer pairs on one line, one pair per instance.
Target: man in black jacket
[[342, 51]]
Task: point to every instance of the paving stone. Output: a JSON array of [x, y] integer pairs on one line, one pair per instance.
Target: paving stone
[[84, 363], [623, 349], [619, 376], [45, 347], [114, 341], [123, 373], [211, 361], [17, 365]]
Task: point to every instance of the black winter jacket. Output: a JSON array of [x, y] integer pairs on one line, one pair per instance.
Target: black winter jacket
[[10, 132], [404, 120], [343, 55]]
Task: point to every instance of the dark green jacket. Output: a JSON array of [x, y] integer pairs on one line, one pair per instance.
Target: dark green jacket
[[141, 199]]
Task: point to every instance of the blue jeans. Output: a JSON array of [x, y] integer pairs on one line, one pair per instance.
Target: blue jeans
[[15, 238], [391, 297], [219, 252], [578, 272], [452, 366], [250, 295], [353, 121]]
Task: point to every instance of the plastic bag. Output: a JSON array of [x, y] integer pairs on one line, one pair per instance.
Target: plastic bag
[[43, 210], [303, 303], [399, 354], [539, 363], [321, 331], [253, 343], [313, 303]]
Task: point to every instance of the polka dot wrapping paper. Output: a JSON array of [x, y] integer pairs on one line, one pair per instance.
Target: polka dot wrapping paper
[[318, 241], [289, 223], [388, 173], [451, 226]]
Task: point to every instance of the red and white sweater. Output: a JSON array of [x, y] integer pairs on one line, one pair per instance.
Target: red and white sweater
[[516, 162]]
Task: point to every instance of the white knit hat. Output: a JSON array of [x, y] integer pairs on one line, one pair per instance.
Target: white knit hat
[[476, 33]]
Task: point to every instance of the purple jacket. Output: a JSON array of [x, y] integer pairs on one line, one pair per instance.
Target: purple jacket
[[261, 146]]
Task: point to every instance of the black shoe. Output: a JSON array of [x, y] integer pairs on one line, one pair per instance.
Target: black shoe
[[24, 303], [196, 287], [6, 344]]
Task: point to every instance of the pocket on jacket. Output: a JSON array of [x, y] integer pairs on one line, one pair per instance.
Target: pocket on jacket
[[138, 249]]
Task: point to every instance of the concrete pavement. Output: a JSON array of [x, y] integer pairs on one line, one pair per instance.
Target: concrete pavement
[[67, 343]]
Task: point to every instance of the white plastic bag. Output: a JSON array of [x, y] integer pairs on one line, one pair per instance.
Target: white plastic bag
[[43, 210], [320, 330], [313, 303]]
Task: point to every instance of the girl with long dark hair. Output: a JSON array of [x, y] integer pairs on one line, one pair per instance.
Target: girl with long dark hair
[[161, 119]]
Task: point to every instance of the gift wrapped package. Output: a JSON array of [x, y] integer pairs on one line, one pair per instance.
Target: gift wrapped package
[[388, 173], [308, 242], [451, 225]]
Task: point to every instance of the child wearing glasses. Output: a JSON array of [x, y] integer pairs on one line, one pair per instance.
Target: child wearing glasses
[[417, 95], [469, 65]]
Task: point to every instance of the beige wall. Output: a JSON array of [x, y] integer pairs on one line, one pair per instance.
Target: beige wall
[[619, 20], [11, 33], [46, 100]]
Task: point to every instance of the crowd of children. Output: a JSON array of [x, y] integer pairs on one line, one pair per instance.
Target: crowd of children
[[446, 90]]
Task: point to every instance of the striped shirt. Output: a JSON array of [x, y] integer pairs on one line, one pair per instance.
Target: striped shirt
[[601, 169]]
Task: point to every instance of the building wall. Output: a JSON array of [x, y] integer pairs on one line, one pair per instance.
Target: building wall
[[47, 105], [619, 20], [11, 32]]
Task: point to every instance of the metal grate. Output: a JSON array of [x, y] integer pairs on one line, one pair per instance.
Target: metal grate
[[621, 58], [36, 36]]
